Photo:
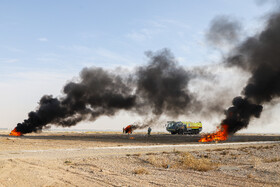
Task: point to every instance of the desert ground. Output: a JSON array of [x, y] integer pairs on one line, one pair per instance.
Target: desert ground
[[115, 159]]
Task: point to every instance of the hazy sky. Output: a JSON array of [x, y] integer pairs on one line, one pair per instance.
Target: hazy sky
[[43, 44]]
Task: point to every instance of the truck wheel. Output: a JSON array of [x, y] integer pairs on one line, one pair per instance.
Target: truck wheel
[[181, 131]]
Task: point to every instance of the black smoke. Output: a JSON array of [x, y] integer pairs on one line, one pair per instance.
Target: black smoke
[[160, 87], [238, 116], [98, 93], [163, 84], [224, 31], [260, 56]]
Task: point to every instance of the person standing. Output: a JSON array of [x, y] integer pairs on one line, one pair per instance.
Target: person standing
[[149, 131]]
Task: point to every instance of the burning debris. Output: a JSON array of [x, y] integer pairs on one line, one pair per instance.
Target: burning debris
[[129, 129], [15, 133], [220, 135]]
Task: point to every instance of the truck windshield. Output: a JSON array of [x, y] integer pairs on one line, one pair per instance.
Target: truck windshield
[[170, 125]]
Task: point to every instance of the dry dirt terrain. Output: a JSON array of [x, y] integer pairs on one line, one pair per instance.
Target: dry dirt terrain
[[113, 159]]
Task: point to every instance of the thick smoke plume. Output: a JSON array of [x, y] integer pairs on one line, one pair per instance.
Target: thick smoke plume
[[259, 55], [162, 86], [158, 88]]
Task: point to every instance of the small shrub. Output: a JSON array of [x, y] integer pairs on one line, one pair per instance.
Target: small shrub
[[150, 153], [221, 149], [176, 151], [140, 171], [205, 156], [253, 147], [158, 161], [244, 150], [136, 154], [250, 176], [224, 153], [267, 147], [272, 160], [67, 162]]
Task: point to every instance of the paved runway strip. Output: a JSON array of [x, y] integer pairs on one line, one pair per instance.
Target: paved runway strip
[[122, 150]]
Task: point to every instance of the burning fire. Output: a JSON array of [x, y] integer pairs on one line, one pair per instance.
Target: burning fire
[[220, 135], [129, 129], [15, 133]]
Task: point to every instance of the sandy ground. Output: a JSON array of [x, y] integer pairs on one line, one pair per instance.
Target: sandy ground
[[98, 159]]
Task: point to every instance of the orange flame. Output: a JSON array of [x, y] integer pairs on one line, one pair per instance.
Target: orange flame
[[15, 133], [220, 135], [128, 129]]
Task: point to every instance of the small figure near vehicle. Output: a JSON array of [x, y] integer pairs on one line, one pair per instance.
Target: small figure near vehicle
[[149, 131]]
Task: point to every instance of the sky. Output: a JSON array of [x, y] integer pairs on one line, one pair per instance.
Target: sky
[[44, 44]]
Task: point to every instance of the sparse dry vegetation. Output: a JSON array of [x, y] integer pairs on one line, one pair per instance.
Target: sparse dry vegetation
[[158, 161], [188, 161], [151, 153], [244, 149], [224, 152], [136, 154], [182, 161], [67, 162], [176, 151], [249, 176], [219, 149], [250, 163], [276, 159], [140, 171]]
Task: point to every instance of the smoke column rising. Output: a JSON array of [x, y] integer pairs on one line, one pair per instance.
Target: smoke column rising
[[158, 88], [260, 56]]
